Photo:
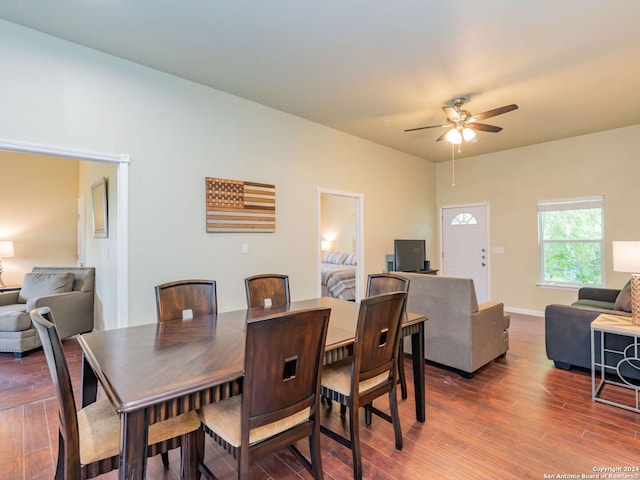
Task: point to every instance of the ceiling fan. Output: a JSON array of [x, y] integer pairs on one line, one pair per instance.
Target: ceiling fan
[[461, 124]]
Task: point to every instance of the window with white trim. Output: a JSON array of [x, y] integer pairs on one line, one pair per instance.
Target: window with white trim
[[464, 218], [571, 241]]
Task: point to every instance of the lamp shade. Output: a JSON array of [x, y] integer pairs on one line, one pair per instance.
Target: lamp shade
[[468, 134], [6, 249], [453, 136], [626, 256]]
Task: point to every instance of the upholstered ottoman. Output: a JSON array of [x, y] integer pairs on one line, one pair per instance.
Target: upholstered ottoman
[[16, 333]]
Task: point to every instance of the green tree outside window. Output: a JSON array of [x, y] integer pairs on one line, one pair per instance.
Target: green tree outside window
[[571, 242]]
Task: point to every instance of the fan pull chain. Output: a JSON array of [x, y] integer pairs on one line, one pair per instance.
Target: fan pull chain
[[453, 165]]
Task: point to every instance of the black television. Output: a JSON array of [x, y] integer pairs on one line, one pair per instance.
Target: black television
[[409, 255]]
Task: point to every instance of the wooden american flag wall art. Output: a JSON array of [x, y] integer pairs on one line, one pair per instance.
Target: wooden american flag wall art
[[237, 206]]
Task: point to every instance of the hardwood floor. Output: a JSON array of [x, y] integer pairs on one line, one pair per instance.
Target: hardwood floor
[[518, 418]]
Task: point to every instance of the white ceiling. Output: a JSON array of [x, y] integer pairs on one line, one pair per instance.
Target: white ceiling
[[373, 68]]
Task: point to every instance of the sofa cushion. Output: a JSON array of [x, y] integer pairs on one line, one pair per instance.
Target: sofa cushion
[[40, 284], [14, 318], [585, 302], [623, 300]]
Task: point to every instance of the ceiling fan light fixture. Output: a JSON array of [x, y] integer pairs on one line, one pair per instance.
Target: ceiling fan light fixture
[[468, 134], [454, 136]]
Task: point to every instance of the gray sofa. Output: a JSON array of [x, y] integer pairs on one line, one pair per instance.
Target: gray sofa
[[568, 327], [459, 333], [67, 291]]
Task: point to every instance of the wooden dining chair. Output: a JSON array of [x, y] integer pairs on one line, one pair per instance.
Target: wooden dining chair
[[185, 298], [279, 405], [266, 290], [89, 439], [370, 373], [377, 284]]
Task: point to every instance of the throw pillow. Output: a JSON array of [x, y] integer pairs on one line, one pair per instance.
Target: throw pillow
[[40, 284], [351, 259], [326, 257], [623, 300], [334, 257]]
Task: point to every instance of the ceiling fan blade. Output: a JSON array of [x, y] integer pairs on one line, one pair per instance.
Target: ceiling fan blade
[[494, 112], [451, 114], [441, 137], [483, 127], [423, 128]]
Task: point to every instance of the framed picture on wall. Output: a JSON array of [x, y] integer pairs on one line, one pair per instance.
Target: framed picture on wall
[[99, 208]]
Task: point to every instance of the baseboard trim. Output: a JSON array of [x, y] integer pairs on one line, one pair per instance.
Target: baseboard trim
[[524, 311]]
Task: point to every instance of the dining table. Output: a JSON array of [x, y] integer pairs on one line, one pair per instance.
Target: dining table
[[154, 371]]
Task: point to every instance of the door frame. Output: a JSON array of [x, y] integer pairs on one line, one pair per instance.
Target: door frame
[[359, 244], [122, 207], [486, 206]]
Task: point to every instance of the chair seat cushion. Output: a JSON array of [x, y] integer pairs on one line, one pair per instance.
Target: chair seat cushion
[[99, 430], [337, 377], [14, 318], [224, 419]]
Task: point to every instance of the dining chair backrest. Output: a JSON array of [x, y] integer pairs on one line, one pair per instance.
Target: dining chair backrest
[[185, 299], [379, 283], [267, 290], [69, 443], [284, 354], [370, 373], [377, 336]]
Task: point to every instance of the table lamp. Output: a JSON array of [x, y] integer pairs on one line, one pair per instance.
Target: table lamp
[[626, 258], [6, 251]]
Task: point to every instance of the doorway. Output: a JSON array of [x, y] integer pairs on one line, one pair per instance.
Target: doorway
[[465, 240], [353, 203], [121, 213]]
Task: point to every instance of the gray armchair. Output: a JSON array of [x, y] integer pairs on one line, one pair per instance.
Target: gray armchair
[[67, 291], [459, 333]]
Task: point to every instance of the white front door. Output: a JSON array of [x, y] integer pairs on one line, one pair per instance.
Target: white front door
[[465, 246]]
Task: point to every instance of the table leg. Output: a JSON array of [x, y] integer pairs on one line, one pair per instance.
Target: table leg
[[133, 445], [89, 383], [417, 354]]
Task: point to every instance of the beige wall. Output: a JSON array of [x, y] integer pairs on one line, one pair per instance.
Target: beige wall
[[38, 205], [513, 181], [337, 221], [177, 133], [101, 252]]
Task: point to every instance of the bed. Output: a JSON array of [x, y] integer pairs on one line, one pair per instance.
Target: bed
[[338, 275]]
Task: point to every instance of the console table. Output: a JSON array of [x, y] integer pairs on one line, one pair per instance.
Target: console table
[[427, 272], [608, 364], [423, 272]]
